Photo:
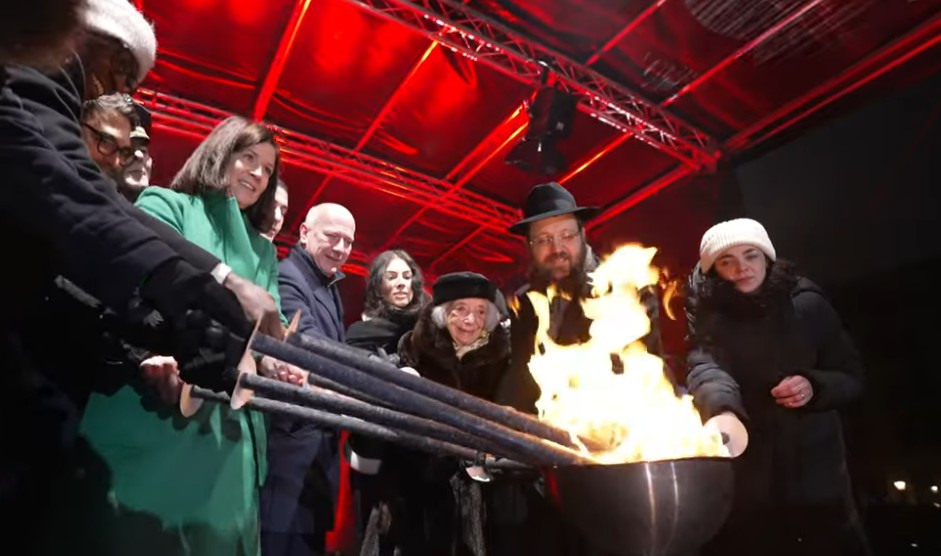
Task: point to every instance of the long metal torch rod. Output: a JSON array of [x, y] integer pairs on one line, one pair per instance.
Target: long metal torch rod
[[357, 426], [509, 441], [523, 422], [316, 398]]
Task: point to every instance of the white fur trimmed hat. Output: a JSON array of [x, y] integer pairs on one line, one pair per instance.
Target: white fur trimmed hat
[[121, 20], [732, 233]]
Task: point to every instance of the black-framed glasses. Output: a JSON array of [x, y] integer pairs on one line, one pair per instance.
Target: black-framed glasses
[[108, 145]]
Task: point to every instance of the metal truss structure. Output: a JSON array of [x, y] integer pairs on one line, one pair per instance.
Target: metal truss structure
[[461, 29], [450, 24], [326, 158], [186, 117]]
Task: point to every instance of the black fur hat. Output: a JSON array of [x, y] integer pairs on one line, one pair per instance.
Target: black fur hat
[[460, 285]]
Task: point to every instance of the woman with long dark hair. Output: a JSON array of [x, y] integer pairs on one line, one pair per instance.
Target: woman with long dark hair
[[198, 477], [754, 318], [395, 293]]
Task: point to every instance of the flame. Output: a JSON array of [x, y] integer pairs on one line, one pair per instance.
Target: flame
[[670, 290], [513, 304], [634, 415]]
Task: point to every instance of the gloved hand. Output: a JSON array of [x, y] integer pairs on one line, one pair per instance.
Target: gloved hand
[[204, 327], [734, 433], [176, 287]]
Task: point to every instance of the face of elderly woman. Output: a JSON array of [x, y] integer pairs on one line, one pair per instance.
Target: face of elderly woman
[[397, 283], [743, 265], [466, 320]]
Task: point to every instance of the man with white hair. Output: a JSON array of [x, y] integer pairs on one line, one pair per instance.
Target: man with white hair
[[299, 496]]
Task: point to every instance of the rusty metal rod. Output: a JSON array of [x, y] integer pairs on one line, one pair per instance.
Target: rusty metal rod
[[522, 422], [357, 426], [316, 398], [531, 447]]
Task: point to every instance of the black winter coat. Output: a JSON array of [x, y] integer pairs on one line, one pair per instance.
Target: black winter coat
[[61, 216], [433, 506], [792, 485]]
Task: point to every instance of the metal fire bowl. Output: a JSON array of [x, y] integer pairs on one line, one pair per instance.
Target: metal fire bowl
[[661, 508]]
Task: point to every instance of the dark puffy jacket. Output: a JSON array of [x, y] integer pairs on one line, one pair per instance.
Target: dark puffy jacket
[[740, 348]]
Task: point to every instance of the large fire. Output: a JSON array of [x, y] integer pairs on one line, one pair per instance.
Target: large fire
[[635, 414]]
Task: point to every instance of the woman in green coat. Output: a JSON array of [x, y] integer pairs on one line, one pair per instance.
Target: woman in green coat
[[192, 484]]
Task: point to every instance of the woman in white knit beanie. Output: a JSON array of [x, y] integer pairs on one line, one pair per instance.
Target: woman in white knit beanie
[[740, 251], [765, 344]]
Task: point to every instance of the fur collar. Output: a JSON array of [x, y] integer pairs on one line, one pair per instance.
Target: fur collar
[[430, 350]]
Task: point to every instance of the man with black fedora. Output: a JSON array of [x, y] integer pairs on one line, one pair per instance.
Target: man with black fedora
[[554, 227]]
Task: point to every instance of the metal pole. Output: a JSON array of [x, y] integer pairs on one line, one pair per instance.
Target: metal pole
[[316, 398], [358, 426], [507, 439], [522, 422]]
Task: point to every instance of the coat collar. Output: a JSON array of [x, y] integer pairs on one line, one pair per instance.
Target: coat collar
[[302, 258]]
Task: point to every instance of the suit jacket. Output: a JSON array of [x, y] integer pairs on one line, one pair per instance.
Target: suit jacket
[[303, 459]]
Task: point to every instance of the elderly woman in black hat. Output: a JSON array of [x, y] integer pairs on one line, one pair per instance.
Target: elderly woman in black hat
[[456, 340], [440, 509]]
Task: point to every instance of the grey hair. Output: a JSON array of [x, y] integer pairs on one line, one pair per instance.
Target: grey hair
[[439, 315]]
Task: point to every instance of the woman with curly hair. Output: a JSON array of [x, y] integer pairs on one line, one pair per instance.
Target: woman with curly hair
[[395, 293], [766, 344], [199, 477]]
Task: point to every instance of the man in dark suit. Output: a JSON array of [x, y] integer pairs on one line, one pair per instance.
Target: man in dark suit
[[299, 497]]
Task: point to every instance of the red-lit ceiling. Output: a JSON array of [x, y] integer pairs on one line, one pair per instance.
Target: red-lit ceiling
[[405, 110]]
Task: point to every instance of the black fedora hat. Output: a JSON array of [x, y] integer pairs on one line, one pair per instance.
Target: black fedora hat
[[547, 200]]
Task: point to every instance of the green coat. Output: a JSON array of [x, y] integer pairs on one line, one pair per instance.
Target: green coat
[[198, 477]]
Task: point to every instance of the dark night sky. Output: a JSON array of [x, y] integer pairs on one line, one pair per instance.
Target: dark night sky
[[859, 196]]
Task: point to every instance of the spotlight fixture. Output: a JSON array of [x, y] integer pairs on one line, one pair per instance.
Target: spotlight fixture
[[551, 113]]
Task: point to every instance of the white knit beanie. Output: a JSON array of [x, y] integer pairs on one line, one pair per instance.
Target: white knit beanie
[[731, 233], [121, 20]]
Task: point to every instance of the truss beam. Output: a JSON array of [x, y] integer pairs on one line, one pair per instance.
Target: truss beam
[[894, 54], [322, 156], [373, 126], [461, 29]]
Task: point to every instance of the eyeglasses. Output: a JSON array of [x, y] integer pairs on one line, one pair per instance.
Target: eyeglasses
[[565, 238], [108, 145], [463, 311]]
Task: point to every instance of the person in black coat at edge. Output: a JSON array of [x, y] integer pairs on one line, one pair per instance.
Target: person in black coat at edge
[[757, 325], [395, 294], [65, 220]]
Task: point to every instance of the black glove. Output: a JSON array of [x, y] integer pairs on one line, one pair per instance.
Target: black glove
[[205, 328], [176, 287]]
